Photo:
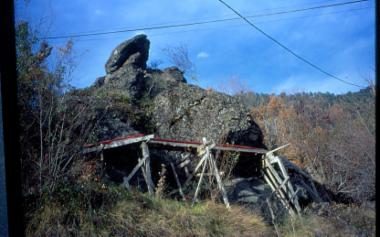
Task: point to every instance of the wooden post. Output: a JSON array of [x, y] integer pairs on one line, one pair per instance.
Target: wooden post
[[103, 164], [177, 181], [276, 191], [204, 161], [273, 217], [133, 172], [146, 169], [271, 174], [219, 181]]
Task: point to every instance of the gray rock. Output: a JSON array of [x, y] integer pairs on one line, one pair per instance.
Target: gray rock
[[173, 74], [99, 82], [188, 112], [252, 193], [176, 109], [133, 52], [110, 128], [129, 79]]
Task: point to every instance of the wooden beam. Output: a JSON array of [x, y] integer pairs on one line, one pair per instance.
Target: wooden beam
[[200, 179], [148, 175], [288, 189], [133, 172], [219, 181], [175, 144], [272, 184], [177, 181], [273, 176], [117, 143]]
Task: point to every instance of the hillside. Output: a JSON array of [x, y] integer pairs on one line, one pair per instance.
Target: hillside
[[68, 193]]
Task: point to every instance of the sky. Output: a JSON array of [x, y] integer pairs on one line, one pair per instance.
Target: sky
[[228, 56]]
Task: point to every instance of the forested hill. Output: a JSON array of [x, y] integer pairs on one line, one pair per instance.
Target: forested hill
[[325, 99], [331, 136]]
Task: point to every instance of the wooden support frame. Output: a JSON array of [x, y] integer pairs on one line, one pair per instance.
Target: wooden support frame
[[278, 179], [282, 187], [144, 165], [208, 162]]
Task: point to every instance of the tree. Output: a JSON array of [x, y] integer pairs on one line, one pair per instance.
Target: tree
[[50, 121], [331, 137], [179, 56]]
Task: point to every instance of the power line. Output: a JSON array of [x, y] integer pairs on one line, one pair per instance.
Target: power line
[[288, 49], [312, 8], [76, 35], [239, 24]]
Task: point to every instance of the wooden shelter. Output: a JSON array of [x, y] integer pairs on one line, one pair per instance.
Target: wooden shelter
[[271, 166]]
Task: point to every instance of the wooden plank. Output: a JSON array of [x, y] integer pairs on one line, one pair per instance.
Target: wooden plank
[[273, 217], [204, 157], [145, 154], [117, 143], [289, 187], [243, 150], [276, 182], [278, 148], [174, 144], [133, 172], [219, 182], [144, 175], [183, 164], [217, 147], [177, 181], [183, 158], [292, 196], [200, 179], [272, 183]]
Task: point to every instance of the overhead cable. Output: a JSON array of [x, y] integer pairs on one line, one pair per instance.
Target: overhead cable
[[77, 35], [288, 49]]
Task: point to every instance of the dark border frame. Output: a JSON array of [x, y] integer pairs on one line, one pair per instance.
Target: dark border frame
[[9, 129]]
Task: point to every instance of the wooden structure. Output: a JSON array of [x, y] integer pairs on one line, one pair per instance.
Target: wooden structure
[[272, 168], [279, 181]]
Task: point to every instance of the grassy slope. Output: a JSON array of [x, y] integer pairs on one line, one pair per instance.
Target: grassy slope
[[90, 209]]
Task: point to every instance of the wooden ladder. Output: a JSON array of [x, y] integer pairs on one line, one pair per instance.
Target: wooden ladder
[[277, 177]]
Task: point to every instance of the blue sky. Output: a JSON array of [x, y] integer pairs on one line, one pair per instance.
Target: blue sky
[[228, 56]]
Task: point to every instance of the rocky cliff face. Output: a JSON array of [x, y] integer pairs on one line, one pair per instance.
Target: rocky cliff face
[[175, 109]]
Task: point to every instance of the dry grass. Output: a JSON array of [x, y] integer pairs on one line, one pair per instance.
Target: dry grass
[[93, 211], [306, 226], [340, 220], [154, 217], [88, 207]]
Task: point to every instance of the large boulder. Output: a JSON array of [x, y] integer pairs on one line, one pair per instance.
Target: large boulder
[[133, 52], [188, 112]]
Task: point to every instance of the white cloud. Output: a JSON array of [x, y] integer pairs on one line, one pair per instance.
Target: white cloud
[[203, 55]]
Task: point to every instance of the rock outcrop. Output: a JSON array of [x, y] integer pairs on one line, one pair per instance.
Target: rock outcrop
[[134, 52], [176, 109]]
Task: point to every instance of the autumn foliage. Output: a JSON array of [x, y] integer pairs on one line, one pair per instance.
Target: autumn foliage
[[332, 138]]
